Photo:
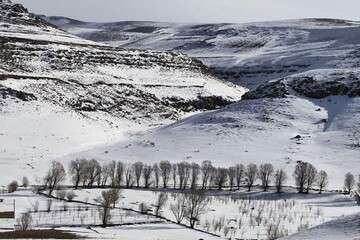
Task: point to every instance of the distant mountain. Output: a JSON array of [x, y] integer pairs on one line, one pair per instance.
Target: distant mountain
[[303, 103], [245, 54], [61, 93]]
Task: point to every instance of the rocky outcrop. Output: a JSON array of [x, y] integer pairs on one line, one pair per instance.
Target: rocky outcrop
[[312, 84], [42, 63]]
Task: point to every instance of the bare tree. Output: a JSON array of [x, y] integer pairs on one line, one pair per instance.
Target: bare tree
[[156, 170], [108, 174], [357, 193], [195, 171], [55, 176], [99, 176], [115, 194], [25, 221], [322, 181], [147, 175], [12, 187], [179, 209], [240, 171], [187, 175], [160, 203], [197, 204], [25, 182], [129, 179], [221, 177], [279, 178], [120, 169], [174, 174], [112, 173], [311, 174], [76, 169], [93, 172], [138, 168], [105, 175], [250, 174], [107, 199], [300, 175], [349, 182], [232, 177], [265, 173], [49, 203], [206, 171], [357, 197], [184, 170], [165, 170], [84, 174]]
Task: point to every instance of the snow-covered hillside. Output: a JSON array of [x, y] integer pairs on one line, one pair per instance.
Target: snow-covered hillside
[[246, 54], [255, 131], [345, 228], [303, 78], [61, 94]]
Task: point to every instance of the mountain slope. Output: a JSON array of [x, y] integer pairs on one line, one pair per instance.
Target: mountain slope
[[245, 54], [255, 131], [346, 228], [60, 93], [303, 103]]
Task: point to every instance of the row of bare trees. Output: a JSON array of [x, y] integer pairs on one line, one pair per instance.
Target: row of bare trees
[[183, 175]]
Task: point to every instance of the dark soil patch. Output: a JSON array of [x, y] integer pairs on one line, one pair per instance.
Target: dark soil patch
[[7, 215], [38, 234]]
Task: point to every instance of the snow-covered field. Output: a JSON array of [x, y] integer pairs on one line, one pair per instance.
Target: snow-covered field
[[247, 215], [160, 231], [77, 217]]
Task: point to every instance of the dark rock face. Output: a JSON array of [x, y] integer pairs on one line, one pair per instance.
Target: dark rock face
[[18, 14], [277, 89], [201, 103], [309, 87], [11, 93], [316, 86]]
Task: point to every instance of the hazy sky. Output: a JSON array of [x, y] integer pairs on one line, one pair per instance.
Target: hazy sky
[[195, 10]]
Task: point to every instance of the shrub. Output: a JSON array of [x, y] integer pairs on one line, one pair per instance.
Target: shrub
[[13, 186]]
